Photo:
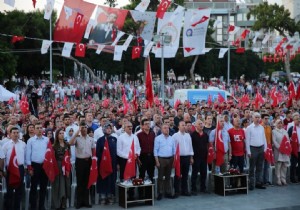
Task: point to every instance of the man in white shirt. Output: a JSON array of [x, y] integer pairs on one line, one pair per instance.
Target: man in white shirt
[[256, 145], [186, 158], [13, 197]]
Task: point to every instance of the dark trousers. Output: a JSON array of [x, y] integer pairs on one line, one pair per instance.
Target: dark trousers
[[13, 196], [39, 178], [256, 165], [294, 171], [82, 167], [199, 165], [148, 164], [237, 161], [184, 170]]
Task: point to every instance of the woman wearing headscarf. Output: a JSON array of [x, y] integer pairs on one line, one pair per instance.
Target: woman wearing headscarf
[[106, 151], [282, 161], [61, 187], [68, 135]]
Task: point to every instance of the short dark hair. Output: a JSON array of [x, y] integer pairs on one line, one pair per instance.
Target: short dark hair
[[264, 115], [144, 120], [13, 129]]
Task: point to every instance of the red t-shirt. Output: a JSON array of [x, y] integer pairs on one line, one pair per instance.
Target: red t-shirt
[[237, 141]]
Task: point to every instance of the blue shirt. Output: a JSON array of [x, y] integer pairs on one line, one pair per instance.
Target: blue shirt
[[36, 149], [164, 146], [225, 137]]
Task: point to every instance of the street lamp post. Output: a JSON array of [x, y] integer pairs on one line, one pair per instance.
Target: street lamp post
[[228, 57]]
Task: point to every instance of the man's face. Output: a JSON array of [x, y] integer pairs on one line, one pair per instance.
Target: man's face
[[112, 18], [14, 134], [256, 119], [67, 121], [199, 125], [38, 130], [208, 119], [128, 128], [181, 127], [296, 120], [89, 117], [180, 112], [83, 130], [171, 120], [165, 130], [146, 125]]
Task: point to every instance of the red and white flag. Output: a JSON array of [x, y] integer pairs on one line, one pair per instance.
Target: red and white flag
[[209, 100], [105, 168], [66, 164], [210, 154], [269, 156], [11, 101], [149, 88], [13, 170], [162, 8], [77, 23], [50, 164], [233, 29], [80, 50], [245, 33], [220, 150], [292, 93], [17, 39], [202, 20], [136, 52], [93, 170], [295, 142], [24, 106], [221, 99], [129, 171], [177, 161], [285, 146]]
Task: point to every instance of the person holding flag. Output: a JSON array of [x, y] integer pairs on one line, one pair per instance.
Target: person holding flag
[[61, 187], [84, 145], [220, 137], [282, 159], [106, 152], [14, 153], [36, 149], [186, 153], [256, 145], [124, 144], [294, 133]]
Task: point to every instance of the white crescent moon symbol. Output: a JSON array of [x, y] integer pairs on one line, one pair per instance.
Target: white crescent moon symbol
[[15, 161], [81, 47], [137, 50], [164, 5], [94, 158], [47, 150], [78, 19], [66, 159], [220, 137]]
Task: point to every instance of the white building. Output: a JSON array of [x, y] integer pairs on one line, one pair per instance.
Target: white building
[[294, 7]]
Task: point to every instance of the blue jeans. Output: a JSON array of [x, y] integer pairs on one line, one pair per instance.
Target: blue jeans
[[266, 171]]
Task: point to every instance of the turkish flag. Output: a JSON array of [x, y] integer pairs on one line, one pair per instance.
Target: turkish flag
[[269, 156], [105, 168], [220, 98], [125, 103], [129, 171], [34, 3], [80, 50], [245, 33], [93, 170], [295, 142], [292, 93], [136, 52], [13, 170], [220, 150], [77, 22], [285, 146], [210, 154], [24, 106], [177, 162], [231, 28], [202, 20], [149, 88], [11, 101], [17, 39], [274, 96], [135, 100], [65, 100], [162, 8], [50, 165], [298, 93], [240, 50], [177, 103], [66, 164]]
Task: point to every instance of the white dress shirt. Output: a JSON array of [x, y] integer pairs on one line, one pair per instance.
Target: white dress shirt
[[4, 141], [20, 148], [98, 133], [124, 145], [2, 156], [36, 149], [84, 146], [185, 143], [255, 136]]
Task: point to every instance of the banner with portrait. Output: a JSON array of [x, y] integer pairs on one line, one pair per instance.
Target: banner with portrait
[[194, 32], [146, 21], [172, 27], [74, 15]]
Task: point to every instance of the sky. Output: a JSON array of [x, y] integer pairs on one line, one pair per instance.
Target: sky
[[27, 4]]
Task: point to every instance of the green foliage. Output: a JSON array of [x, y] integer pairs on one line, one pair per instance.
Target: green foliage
[[273, 17], [111, 3], [295, 64]]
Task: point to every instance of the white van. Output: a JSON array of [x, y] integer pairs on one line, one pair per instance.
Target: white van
[[197, 95]]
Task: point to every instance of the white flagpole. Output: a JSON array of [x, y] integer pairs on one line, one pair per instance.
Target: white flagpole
[[50, 32]]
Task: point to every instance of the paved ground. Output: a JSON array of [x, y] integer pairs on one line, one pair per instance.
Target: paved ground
[[273, 198]]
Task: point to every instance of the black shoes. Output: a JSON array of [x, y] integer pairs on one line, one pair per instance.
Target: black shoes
[[251, 188], [194, 192], [159, 197], [260, 186], [170, 196], [186, 194]]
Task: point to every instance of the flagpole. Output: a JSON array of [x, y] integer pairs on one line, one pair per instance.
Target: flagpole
[[228, 57], [162, 69], [50, 36]]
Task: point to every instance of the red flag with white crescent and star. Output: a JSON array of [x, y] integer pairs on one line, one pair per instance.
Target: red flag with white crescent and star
[[295, 142], [105, 168], [162, 8], [269, 156], [24, 106], [285, 146], [210, 154], [13, 170], [77, 22], [129, 171], [50, 164], [149, 86], [177, 161], [80, 50], [220, 150], [93, 170], [66, 164], [136, 52]]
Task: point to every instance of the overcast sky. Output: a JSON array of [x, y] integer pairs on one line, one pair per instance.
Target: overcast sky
[[27, 4]]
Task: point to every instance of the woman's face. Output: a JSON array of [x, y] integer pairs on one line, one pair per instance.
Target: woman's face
[[71, 131], [279, 125], [49, 134]]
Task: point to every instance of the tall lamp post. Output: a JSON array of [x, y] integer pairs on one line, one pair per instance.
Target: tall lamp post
[[228, 57], [163, 39]]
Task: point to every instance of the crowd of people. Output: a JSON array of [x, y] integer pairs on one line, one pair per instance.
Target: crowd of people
[[91, 127]]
